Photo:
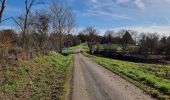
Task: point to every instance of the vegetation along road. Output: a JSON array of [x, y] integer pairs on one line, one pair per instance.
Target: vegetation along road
[[93, 82]]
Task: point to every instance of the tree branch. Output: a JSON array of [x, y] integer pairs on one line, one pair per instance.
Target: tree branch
[[2, 9]]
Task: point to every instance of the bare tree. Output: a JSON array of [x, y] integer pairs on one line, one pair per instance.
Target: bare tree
[[62, 21], [126, 41], [143, 44], [108, 37], [70, 21], [70, 27], [2, 7], [148, 43], [24, 21], [162, 45], [153, 42], [92, 38], [41, 25]]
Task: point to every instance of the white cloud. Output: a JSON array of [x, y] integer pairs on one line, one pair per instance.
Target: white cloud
[[139, 4]]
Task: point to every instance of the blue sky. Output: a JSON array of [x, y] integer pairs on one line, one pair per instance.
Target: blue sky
[[140, 15]]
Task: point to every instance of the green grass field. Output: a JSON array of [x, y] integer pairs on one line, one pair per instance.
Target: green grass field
[[72, 49], [150, 77], [44, 77]]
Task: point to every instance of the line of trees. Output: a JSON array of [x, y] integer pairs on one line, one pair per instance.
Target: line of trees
[[126, 42], [38, 31]]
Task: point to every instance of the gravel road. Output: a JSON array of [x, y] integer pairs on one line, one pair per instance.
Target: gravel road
[[93, 82]]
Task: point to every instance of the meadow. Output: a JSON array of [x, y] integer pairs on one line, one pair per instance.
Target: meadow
[[43, 77]]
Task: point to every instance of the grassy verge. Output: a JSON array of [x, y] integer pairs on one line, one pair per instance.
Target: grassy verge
[[44, 77], [148, 77]]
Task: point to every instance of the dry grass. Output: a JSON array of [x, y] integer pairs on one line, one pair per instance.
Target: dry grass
[[42, 77]]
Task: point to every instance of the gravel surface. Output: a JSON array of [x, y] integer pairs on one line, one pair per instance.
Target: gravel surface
[[93, 82]]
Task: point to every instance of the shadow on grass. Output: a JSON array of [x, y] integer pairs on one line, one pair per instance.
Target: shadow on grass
[[71, 53]]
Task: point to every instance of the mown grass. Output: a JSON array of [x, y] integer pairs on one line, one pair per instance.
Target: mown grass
[[146, 76], [44, 77]]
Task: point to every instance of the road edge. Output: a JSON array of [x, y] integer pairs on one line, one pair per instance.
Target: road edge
[[68, 94]]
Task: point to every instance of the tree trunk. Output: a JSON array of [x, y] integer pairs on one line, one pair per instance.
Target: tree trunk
[[60, 44]]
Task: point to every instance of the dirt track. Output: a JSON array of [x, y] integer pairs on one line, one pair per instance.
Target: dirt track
[[93, 82]]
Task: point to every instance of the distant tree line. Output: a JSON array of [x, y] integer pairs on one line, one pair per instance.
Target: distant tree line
[[125, 42]]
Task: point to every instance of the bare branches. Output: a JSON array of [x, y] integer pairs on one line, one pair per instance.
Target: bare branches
[[3, 4], [23, 21], [70, 22], [41, 25], [34, 28], [92, 38], [62, 21]]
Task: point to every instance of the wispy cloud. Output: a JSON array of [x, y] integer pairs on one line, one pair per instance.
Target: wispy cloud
[[94, 1], [138, 3], [109, 14], [105, 8]]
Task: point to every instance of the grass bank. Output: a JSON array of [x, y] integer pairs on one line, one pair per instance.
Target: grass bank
[[149, 77], [44, 77], [71, 50]]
